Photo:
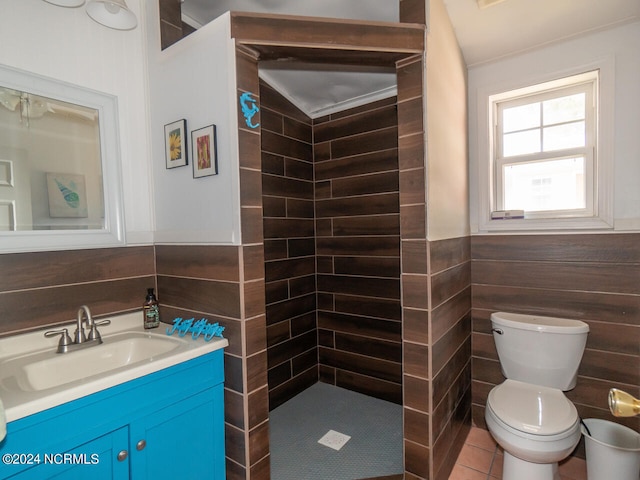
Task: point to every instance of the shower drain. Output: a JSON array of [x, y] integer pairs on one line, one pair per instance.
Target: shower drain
[[333, 439]]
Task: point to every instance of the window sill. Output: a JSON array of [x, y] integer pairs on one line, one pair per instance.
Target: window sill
[[543, 225]]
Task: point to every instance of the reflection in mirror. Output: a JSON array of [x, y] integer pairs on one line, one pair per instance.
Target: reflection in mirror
[[50, 151], [59, 165]]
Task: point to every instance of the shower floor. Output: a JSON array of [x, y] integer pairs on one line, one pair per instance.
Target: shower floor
[[375, 428]]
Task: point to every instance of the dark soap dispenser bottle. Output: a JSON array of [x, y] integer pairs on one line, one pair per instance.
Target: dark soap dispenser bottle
[[151, 310]]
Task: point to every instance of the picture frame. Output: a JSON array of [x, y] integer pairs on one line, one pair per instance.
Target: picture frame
[[175, 144], [204, 152], [67, 195]]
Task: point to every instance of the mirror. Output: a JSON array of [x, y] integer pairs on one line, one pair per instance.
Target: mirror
[[59, 165]]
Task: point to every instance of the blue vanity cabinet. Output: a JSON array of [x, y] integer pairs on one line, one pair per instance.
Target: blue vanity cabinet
[[166, 425], [106, 464], [186, 441]]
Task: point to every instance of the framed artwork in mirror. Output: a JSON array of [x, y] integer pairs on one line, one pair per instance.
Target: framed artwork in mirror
[[204, 151], [175, 145], [67, 195]]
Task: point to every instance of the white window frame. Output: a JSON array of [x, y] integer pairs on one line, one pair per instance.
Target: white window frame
[[599, 159]]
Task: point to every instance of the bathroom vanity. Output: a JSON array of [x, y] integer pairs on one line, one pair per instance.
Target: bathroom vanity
[[160, 416]]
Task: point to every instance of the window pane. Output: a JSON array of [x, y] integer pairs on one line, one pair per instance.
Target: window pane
[[564, 136], [545, 185], [521, 118], [564, 109], [521, 143]]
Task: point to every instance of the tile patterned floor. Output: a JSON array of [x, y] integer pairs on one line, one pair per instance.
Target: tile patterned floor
[[481, 459]]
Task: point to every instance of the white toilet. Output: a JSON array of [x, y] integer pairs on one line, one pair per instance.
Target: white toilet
[[527, 414]]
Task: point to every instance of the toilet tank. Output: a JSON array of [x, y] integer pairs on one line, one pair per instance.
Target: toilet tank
[[539, 350]]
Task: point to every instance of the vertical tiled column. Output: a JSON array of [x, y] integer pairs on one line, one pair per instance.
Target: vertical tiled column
[[204, 281], [248, 439], [450, 332], [415, 270], [436, 295]]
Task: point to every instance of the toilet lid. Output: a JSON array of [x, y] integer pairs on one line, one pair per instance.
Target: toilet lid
[[532, 408]]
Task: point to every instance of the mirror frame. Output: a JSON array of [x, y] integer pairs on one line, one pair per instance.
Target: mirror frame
[[113, 233]]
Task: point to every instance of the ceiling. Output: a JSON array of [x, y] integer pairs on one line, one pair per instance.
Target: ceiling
[[506, 28]]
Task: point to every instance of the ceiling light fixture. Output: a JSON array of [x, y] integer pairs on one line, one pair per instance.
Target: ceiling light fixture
[[112, 14], [66, 3]]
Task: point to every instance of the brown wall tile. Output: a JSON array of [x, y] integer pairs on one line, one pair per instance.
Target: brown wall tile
[[353, 122], [33, 309], [410, 116], [413, 11], [211, 296], [588, 277], [22, 271], [416, 459], [45, 288], [215, 263], [410, 79], [327, 167], [367, 385]]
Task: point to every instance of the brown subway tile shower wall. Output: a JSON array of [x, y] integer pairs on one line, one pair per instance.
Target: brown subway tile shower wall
[[289, 247], [358, 249]]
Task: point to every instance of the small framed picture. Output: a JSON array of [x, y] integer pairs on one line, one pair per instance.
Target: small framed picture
[[204, 151], [67, 195], [175, 144]]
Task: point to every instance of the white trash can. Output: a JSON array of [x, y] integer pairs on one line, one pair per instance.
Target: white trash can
[[613, 451]]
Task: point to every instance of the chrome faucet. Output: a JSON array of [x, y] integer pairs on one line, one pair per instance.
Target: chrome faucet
[[80, 339], [83, 311]]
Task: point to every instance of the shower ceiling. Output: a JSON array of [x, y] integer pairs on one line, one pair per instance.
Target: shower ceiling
[[484, 34]]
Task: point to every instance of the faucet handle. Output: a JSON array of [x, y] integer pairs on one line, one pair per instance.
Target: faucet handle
[[65, 339], [94, 334]]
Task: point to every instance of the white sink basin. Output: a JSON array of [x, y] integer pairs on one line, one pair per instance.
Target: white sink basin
[[41, 371], [33, 377]]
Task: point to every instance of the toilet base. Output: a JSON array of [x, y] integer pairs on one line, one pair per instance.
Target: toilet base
[[515, 468]]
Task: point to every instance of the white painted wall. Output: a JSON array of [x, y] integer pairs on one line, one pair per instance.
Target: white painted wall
[[65, 44], [194, 79], [622, 44], [446, 126]]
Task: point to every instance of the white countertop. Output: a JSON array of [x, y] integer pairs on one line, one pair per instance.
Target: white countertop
[[20, 402]]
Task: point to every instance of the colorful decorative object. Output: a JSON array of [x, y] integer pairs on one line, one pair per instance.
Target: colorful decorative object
[[196, 328], [175, 144], [205, 155], [249, 109]]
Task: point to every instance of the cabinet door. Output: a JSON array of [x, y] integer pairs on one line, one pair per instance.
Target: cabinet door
[[184, 440], [97, 460]]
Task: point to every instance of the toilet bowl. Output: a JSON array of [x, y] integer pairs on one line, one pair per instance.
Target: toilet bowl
[[528, 414], [536, 426]]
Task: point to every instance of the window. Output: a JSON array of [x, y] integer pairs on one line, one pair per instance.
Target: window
[[544, 149], [545, 152]]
